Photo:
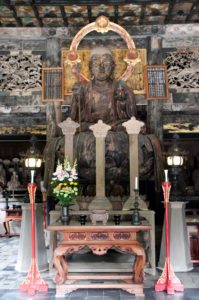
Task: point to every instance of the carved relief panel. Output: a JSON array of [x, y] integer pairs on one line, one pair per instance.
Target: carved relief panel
[[20, 73], [183, 70]]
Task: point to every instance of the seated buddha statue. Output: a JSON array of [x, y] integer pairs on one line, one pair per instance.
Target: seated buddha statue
[[110, 100], [103, 98]]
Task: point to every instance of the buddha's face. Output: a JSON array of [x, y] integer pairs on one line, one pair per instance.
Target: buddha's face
[[101, 66]]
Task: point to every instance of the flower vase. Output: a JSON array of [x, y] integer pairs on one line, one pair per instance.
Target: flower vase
[[65, 218]]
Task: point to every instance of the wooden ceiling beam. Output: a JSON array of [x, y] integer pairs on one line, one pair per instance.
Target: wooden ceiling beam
[[97, 2], [14, 13], [169, 14], [116, 13], [64, 16], [193, 9], [37, 16], [89, 10], [142, 14]]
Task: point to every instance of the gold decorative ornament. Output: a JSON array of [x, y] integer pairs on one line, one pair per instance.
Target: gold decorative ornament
[[72, 58], [102, 24]]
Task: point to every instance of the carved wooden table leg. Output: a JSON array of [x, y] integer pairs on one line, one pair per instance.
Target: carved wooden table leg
[[61, 269], [7, 228], [138, 267], [60, 265], [60, 262]]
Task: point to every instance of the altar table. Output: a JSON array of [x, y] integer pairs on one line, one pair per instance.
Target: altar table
[[11, 215], [99, 239]]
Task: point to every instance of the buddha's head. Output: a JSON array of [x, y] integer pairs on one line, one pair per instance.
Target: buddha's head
[[101, 64]]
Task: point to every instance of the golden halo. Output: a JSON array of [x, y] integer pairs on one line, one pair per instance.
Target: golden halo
[[102, 25]]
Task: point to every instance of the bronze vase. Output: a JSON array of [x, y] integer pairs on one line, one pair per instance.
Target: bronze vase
[[65, 218]]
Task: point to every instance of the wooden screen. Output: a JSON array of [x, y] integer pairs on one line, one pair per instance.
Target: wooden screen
[[156, 82], [52, 84]]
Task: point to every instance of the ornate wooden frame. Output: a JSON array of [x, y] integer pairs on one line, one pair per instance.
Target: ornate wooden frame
[[44, 85], [156, 89]]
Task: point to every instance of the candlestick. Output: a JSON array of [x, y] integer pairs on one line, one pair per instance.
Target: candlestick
[[33, 282], [136, 215], [168, 280], [136, 183], [166, 175]]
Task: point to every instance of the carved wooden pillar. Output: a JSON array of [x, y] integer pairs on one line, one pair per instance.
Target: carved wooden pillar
[[49, 156], [53, 60], [155, 118], [133, 127], [155, 107], [100, 130], [69, 128]]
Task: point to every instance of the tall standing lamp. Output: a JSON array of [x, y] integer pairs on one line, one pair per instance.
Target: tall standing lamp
[[178, 238], [33, 282]]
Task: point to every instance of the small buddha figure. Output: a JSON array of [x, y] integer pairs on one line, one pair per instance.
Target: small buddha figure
[[2, 176], [14, 182]]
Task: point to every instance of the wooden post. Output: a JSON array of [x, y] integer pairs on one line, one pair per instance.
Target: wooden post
[[69, 128], [100, 201], [133, 127]]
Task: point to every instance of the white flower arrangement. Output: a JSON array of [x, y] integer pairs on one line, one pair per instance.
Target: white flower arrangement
[[65, 182]]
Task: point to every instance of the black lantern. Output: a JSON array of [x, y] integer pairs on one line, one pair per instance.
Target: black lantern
[[175, 160], [33, 158], [175, 156]]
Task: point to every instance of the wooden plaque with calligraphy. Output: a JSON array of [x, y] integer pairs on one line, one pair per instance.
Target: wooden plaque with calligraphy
[[52, 84], [156, 82]]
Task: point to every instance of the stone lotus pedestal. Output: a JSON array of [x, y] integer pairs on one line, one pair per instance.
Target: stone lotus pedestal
[[24, 252]]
